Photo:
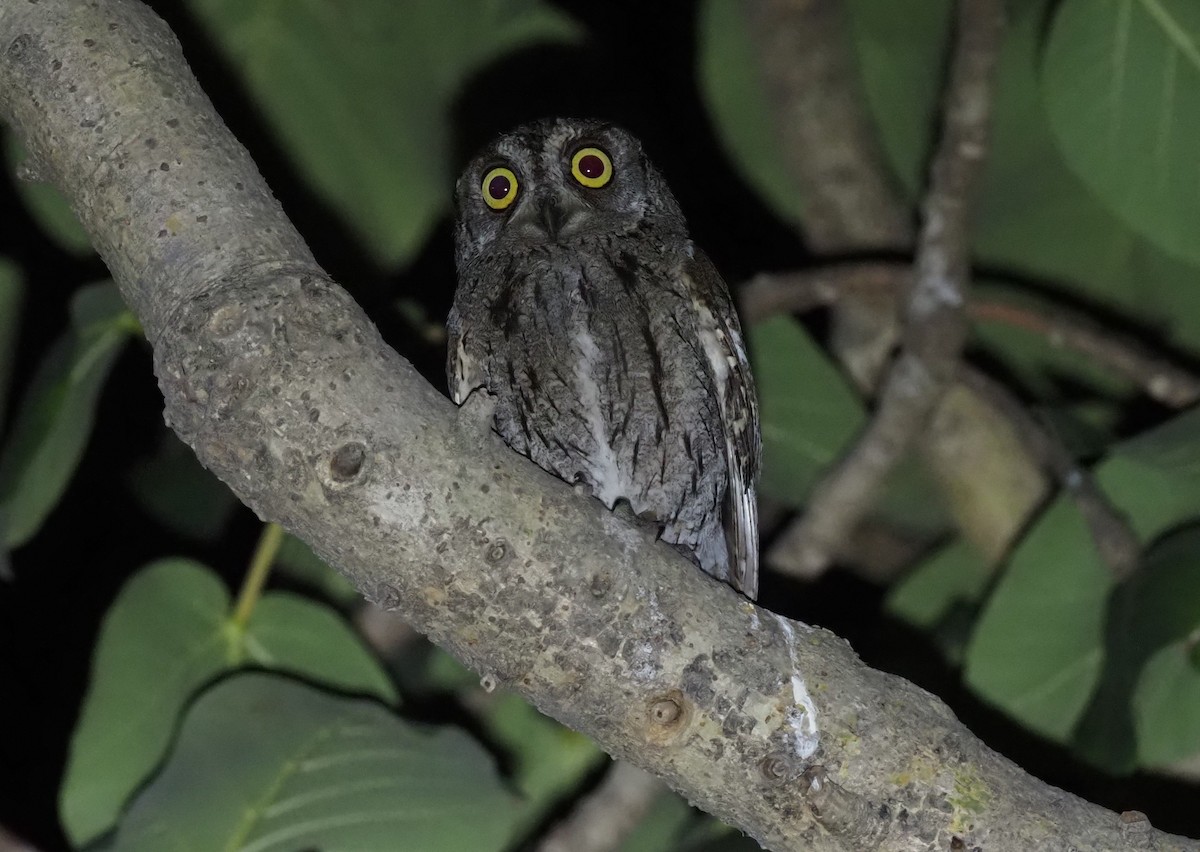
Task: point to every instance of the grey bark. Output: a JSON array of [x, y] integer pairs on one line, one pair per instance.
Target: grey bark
[[286, 391]]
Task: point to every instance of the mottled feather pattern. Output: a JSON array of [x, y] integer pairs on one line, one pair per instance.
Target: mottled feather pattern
[[609, 343]]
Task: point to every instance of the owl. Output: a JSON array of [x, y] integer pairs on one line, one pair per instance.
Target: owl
[[607, 339]]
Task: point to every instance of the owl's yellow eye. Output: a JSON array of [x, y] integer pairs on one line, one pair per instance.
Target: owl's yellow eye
[[499, 188], [591, 167]]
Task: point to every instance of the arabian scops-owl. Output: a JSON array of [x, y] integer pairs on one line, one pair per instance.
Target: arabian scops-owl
[[608, 340]]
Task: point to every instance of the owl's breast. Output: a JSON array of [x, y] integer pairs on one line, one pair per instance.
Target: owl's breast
[[600, 378]]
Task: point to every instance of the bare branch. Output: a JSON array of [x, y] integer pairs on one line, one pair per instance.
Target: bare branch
[[606, 817], [1116, 542], [812, 84], [1158, 378], [935, 328], [795, 292], [286, 391], [808, 70]]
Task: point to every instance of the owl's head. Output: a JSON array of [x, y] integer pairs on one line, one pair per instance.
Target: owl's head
[[560, 181]]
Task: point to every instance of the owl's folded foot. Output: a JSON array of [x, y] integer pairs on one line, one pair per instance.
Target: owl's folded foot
[[477, 413], [582, 488]]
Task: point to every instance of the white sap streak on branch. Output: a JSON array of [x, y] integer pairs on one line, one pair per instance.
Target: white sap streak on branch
[[802, 717]]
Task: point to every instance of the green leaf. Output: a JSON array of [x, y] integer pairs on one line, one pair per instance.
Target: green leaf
[[1164, 706], [264, 763], [954, 574], [1154, 478], [1036, 218], [12, 294], [289, 633], [733, 93], [168, 633], [162, 639], [1121, 80], [55, 418], [176, 490], [1164, 594], [901, 47], [46, 204], [662, 826], [808, 411], [360, 94], [1157, 608], [1038, 647], [548, 759], [296, 560]]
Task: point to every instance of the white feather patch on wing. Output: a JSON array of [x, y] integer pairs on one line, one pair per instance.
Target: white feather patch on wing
[[726, 356], [466, 373]]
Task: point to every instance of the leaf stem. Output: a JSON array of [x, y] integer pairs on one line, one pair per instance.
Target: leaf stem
[[256, 576]]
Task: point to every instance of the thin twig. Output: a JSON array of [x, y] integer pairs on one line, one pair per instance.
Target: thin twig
[[1158, 378], [606, 816], [796, 292], [771, 293], [936, 326], [1115, 540]]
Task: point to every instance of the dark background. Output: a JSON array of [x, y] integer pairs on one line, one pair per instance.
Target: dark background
[[636, 68]]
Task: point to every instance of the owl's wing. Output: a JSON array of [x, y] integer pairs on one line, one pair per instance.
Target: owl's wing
[[721, 335], [465, 366]]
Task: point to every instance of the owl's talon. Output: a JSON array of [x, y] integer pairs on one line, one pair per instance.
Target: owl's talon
[[623, 509]]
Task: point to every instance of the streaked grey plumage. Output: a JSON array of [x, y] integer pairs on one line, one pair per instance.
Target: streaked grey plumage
[[608, 340]]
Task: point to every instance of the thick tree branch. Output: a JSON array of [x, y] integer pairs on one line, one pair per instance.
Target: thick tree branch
[[286, 391]]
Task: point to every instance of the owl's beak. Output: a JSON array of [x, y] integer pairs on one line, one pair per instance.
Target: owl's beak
[[550, 217]]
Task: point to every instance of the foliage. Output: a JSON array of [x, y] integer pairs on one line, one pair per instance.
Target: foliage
[[265, 762], [358, 95], [210, 730]]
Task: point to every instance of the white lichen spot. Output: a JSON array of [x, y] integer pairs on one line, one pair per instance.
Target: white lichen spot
[[935, 292], [802, 716], [645, 664], [1159, 386], [970, 150]]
